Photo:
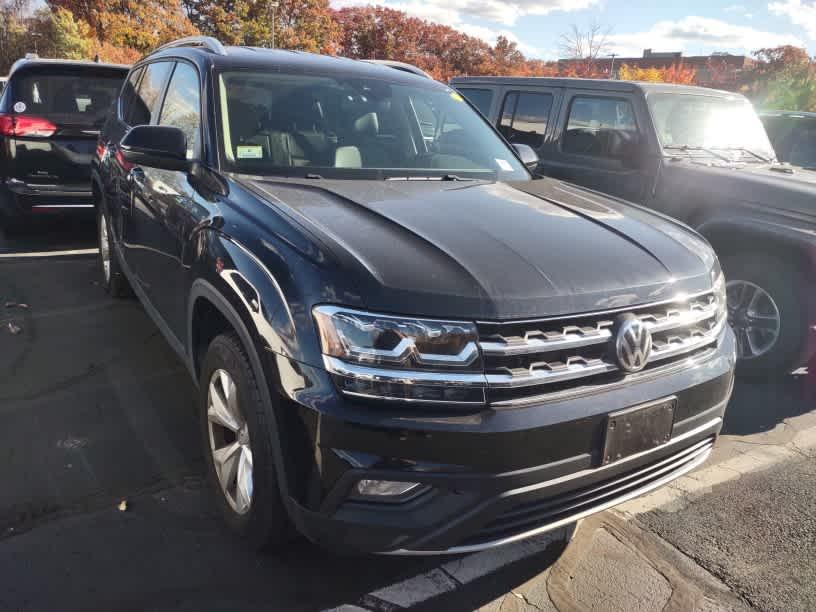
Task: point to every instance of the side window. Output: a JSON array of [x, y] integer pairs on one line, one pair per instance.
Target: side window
[[148, 93], [524, 117], [480, 98], [182, 107], [600, 127], [128, 93]]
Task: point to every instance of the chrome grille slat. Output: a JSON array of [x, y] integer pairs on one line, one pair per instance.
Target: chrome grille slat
[[574, 336], [534, 353]]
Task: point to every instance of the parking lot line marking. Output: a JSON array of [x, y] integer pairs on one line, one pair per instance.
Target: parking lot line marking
[[454, 574], [37, 254]]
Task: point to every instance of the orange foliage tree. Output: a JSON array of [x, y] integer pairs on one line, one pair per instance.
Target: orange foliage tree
[[676, 73]]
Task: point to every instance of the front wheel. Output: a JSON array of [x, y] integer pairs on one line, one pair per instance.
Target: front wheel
[[766, 313], [238, 445]]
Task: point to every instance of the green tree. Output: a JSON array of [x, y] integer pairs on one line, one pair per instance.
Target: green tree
[[140, 24], [63, 35], [306, 25]]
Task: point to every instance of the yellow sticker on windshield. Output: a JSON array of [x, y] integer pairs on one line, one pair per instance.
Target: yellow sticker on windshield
[[456, 96]]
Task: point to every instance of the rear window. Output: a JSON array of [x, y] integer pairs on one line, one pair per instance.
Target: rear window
[[480, 98], [81, 97]]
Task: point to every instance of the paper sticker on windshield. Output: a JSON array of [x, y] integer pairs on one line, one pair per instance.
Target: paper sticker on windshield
[[250, 152], [504, 165], [456, 96], [19, 107]]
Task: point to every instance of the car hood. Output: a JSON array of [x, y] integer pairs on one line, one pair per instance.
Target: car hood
[[772, 186], [493, 250]]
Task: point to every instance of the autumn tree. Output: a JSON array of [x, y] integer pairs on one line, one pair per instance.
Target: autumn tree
[[676, 73], [14, 30], [139, 24]]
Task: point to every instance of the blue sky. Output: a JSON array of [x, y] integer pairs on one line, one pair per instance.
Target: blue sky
[[696, 27]]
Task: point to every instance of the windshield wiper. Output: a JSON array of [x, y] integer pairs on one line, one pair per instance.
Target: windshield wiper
[[746, 150], [695, 148], [445, 177]]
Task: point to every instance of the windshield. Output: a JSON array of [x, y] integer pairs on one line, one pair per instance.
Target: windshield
[[708, 122], [345, 127]]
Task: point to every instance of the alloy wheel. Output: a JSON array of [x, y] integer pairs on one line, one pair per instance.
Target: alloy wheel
[[755, 318], [104, 247], [229, 441]]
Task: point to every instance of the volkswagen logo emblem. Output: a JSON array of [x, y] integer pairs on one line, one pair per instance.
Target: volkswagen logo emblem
[[633, 343]]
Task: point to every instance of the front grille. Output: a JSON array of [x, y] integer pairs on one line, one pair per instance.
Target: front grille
[[534, 357], [577, 503]]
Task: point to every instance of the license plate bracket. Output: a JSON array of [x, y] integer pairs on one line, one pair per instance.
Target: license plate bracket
[[637, 429]]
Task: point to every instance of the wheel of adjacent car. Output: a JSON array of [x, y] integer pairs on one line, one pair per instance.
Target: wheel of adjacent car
[[113, 279], [235, 427], [765, 310]]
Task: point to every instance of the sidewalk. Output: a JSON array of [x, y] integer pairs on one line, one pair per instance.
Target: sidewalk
[[614, 565]]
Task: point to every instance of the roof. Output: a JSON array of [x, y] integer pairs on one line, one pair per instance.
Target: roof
[[31, 63], [602, 84], [285, 60], [399, 66]]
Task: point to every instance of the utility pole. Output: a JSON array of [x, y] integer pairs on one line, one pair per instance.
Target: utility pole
[[273, 6], [612, 66]]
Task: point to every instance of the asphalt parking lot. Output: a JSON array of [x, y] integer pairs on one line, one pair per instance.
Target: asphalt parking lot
[[97, 411]]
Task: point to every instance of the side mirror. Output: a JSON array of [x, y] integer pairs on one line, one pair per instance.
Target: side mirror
[[528, 157], [156, 146]]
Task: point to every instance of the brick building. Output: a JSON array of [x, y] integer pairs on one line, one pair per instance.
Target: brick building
[[718, 68]]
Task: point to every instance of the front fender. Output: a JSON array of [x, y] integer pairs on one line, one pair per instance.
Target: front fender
[[748, 231], [271, 307]]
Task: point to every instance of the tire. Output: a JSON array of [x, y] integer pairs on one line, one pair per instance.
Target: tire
[[264, 522], [781, 283], [113, 279]]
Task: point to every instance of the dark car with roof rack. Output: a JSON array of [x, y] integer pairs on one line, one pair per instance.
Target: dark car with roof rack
[[402, 343], [699, 155], [51, 112]]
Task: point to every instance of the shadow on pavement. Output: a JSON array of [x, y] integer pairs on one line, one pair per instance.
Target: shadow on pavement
[[758, 406], [97, 408], [51, 233]]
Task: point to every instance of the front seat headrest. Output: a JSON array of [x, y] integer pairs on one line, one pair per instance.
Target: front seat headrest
[[368, 124], [347, 157]]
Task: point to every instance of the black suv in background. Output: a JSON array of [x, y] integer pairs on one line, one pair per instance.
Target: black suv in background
[[51, 112], [402, 343], [699, 155]]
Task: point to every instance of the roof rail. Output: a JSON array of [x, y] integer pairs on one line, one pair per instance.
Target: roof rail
[[207, 42]]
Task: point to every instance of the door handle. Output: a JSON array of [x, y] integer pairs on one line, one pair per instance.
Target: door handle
[[136, 178]]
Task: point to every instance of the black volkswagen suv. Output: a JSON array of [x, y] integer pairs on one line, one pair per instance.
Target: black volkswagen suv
[[51, 112], [402, 343]]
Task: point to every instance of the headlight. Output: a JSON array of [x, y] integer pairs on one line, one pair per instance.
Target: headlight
[[720, 296], [401, 358]]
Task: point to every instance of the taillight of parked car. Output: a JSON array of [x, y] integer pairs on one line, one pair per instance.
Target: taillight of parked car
[[24, 125]]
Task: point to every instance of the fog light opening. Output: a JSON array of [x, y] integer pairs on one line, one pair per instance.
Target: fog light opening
[[384, 488]]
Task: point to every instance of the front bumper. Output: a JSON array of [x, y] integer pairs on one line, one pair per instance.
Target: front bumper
[[492, 477]]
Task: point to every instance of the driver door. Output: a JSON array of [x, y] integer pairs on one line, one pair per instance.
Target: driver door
[[600, 145]]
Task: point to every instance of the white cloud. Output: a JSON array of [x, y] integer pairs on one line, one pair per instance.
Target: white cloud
[[697, 32], [800, 13], [451, 11], [734, 8]]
